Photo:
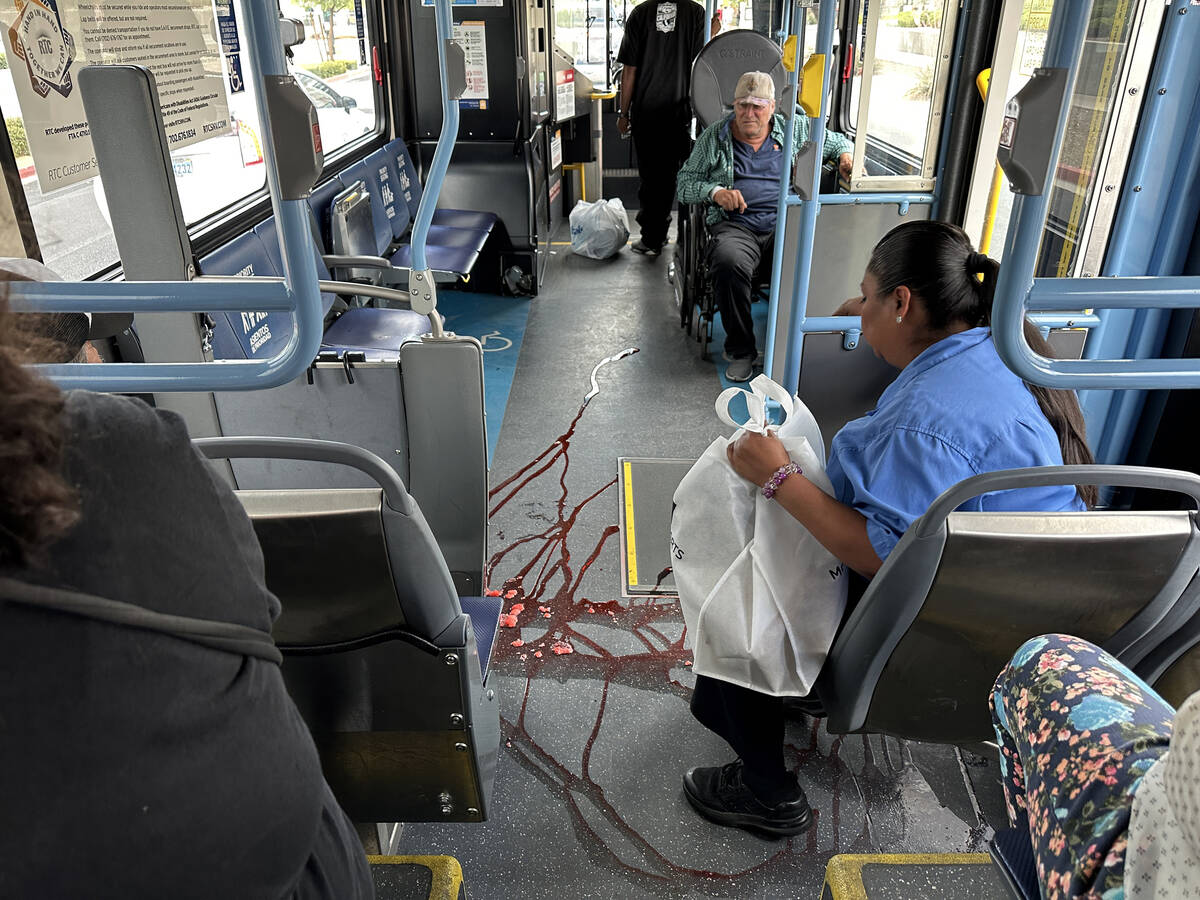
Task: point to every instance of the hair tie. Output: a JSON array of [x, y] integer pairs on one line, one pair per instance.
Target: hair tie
[[977, 262]]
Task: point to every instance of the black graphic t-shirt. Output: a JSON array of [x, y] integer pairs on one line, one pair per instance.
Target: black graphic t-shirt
[[662, 39]]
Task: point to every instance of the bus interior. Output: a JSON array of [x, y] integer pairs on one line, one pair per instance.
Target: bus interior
[[458, 440]]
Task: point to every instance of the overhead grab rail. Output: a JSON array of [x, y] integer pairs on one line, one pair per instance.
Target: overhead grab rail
[[297, 293], [452, 76], [1029, 162]]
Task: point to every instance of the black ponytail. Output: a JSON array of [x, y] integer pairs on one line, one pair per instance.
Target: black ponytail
[[956, 286]]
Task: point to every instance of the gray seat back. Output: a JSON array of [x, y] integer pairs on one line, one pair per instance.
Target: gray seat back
[[379, 657], [349, 562], [723, 61], [424, 417], [963, 590]]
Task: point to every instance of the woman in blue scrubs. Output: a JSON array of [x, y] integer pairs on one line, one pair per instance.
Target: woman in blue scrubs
[[955, 410]]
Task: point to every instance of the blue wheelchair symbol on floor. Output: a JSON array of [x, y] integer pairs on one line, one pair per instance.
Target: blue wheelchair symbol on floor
[[499, 342]]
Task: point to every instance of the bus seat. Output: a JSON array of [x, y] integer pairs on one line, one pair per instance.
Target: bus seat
[[246, 335], [411, 188], [381, 169], [962, 591], [269, 235], [382, 234], [355, 234], [379, 656], [1170, 658], [386, 206], [431, 431], [374, 329], [240, 335], [320, 201]]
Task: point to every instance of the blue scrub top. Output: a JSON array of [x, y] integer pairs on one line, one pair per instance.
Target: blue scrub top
[[953, 412]]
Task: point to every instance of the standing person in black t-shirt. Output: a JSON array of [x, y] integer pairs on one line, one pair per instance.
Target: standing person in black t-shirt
[[662, 39]]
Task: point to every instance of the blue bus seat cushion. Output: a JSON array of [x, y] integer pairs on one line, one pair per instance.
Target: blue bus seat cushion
[[370, 328], [458, 260], [411, 190], [477, 220]]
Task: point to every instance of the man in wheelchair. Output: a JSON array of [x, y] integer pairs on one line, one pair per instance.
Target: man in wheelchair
[[735, 169]]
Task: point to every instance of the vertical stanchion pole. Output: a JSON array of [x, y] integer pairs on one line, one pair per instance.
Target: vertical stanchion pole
[[785, 187]]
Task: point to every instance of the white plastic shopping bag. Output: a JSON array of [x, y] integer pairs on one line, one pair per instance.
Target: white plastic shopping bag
[[762, 598], [599, 229]]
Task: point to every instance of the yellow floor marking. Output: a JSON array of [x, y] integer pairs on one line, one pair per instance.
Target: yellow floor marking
[[843, 873], [447, 872], [630, 533]]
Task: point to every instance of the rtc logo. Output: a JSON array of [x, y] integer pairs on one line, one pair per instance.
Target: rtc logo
[[38, 37]]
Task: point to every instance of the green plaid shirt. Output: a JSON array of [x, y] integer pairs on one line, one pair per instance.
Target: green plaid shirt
[[711, 163]]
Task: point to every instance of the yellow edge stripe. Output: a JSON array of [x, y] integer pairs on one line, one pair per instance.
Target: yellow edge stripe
[[630, 532], [447, 873], [843, 873]]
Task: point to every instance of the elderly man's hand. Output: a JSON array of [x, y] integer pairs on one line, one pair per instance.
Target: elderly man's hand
[[846, 164], [730, 200]]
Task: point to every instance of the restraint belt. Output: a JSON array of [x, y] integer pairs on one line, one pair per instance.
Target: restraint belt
[[228, 637]]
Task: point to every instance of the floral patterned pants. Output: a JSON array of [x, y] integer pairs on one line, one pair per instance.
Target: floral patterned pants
[[1077, 730]]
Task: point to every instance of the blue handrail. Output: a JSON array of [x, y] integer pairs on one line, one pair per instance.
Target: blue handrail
[[445, 142], [297, 293], [1017, 289], [789, 139], [808, 215]]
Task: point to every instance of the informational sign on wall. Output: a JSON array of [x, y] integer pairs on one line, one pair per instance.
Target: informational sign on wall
[[556, 150], [231, 44], [473, 38], [564, 94], [360, 24], [48, 42]]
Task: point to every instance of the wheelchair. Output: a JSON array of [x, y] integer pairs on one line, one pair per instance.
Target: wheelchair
[[714, 78]]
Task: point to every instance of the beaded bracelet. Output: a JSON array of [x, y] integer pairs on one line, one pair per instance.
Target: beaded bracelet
[[781, 475]]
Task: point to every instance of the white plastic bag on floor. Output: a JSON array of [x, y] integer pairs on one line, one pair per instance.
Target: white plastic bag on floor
[[762, 598], [600, 229]]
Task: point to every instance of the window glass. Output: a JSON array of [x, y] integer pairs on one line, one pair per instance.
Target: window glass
[[906, 57], [1089, 121], [71, 224], [579, 29]]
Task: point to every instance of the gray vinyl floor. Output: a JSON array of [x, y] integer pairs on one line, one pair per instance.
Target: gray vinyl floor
[[588, 801]]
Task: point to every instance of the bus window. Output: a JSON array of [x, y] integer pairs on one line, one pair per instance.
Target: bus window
[[1092, 145], [908, 52], [579, 28], [1100, 125], [71, 223]]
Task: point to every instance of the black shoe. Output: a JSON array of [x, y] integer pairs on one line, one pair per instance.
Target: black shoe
[[644, 249], [720, 795]]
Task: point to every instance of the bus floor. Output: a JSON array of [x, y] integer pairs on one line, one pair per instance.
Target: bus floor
[[594, 688]]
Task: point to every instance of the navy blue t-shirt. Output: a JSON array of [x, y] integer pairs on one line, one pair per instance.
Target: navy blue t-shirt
[[756, 175]]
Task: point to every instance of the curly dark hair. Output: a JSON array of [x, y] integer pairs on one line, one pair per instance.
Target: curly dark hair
[[37, 505]]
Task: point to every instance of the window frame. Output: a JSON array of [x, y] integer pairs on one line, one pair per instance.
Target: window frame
[[926, 181], [242, 214]]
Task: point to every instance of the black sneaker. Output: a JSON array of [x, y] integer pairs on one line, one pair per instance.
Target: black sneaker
[[639, 247], [720, 795]]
